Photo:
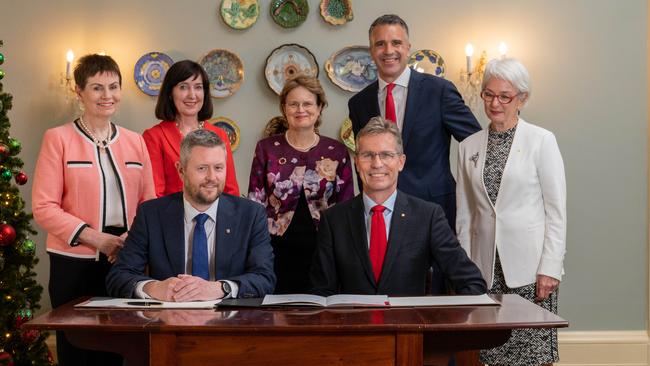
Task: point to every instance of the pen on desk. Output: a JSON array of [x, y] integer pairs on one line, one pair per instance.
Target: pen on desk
[[143, 303]]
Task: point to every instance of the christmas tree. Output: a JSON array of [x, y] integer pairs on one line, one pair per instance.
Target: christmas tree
[[19, 292]]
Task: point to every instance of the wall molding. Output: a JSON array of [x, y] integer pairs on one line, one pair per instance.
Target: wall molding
[[604, 348]]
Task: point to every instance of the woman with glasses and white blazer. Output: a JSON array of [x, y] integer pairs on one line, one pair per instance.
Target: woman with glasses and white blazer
[[511, 220]]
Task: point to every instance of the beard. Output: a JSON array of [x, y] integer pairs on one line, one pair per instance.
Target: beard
[[204, 198]]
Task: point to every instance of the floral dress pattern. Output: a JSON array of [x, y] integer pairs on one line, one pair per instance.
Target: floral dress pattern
[[279, 173]]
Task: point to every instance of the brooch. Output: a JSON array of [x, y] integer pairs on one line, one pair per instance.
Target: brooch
[[474, 159]]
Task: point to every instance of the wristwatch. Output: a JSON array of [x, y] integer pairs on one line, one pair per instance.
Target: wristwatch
[[225, 287]]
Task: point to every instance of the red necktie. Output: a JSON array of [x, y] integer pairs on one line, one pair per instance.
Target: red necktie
[[378, 240], [390, 103]]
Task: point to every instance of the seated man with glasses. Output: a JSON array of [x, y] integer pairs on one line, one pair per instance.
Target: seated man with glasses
[[384, 241]]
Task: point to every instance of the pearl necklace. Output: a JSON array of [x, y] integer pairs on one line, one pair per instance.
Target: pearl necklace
[[304, 149], [102, 144], [178, 126]]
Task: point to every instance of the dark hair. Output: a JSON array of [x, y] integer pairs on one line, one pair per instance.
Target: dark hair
[[181, 71], [93, 64], [312, 85], [200, 137], [388, 19]]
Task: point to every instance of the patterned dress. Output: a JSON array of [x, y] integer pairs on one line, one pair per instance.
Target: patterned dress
[[525, 346], [295, 186]]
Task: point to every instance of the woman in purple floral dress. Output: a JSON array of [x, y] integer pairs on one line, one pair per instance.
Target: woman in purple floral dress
[[296, 174]]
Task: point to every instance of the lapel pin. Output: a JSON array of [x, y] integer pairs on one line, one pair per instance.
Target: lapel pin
[[474, 159], [227, 231]]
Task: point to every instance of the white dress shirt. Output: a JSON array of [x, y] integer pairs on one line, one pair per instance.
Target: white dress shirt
[[400, 92]]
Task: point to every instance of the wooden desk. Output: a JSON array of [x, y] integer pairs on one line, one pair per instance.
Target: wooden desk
[[242, 337]]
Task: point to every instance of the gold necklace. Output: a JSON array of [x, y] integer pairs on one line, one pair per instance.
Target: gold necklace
[[102, 144], [178, 126], [311, 146]]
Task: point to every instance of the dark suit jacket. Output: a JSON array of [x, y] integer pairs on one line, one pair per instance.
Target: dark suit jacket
[[419, 236], [156, 239], [434, 112]]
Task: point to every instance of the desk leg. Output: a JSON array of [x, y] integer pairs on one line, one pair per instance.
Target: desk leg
[[435, 343], [134, 347], [408, 349]]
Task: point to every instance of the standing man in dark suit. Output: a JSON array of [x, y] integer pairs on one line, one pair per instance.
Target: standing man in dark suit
[[383, 241], [198, 244], [427, 109]]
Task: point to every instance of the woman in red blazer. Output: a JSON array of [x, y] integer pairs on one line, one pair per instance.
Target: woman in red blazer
[[183, 106]]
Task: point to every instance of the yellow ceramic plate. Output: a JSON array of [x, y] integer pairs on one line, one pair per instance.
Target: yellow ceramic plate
[[231, 129]]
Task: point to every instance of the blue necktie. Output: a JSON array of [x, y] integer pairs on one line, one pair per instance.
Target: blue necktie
[[200, 260]]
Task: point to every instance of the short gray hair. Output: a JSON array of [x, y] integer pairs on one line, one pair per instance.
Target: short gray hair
[[200, 137], [377, 126], [388, 19], [510, 70]]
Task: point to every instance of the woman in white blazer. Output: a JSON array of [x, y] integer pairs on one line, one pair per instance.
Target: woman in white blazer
[[511, 219]]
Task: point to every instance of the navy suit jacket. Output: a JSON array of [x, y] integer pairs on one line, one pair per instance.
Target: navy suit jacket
[[156, 239], [419, 236], [434, 112]]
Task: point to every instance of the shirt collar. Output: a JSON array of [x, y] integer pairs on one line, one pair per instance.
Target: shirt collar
[[190, 212], [368, 203], [402, 80]]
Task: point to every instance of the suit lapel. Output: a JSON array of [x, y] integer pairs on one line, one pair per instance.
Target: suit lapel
[[174, 232], [226, 231], [481, 163], [356, 220], [172, 136], [414, 92], [372, 101], [398, 224]]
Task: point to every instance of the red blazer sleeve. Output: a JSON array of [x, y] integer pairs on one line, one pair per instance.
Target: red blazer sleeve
[[231, 175], [153, 140]]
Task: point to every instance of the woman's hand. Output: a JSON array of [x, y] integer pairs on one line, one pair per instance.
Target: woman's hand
[[105, 243], [545, 285]]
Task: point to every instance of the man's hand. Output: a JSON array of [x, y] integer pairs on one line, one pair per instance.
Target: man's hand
[[161, 290], [192, 288], [545, 285]]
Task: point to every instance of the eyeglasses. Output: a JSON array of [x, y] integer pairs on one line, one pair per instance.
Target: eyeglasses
[[502, 98], [305, 105], [384, 156]]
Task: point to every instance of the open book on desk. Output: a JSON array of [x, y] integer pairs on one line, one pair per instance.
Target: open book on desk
[[117, 303], [334, 300], [456, 300]]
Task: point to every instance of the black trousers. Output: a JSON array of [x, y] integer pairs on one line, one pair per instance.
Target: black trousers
[[71, 278]]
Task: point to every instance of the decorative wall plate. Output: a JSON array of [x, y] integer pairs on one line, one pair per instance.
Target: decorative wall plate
[[347, 135], [351, 68], [286, 62], [289, 13], [336, 12], [225, 70], [240, 14], [231, 129], [150, 70], [427, 61]]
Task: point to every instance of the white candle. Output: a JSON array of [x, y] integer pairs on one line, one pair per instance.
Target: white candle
[[469, 51], [503, 49], [69, 57]]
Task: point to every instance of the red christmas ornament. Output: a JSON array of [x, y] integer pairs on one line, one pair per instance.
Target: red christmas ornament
[[6, 359], [4, 150], [30, 336], [7, 234], [20, 178]]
